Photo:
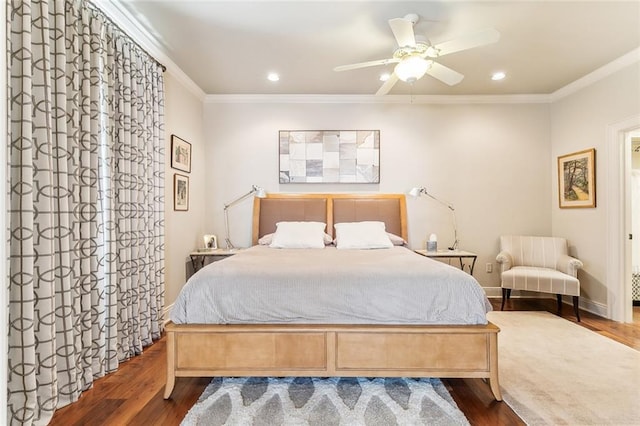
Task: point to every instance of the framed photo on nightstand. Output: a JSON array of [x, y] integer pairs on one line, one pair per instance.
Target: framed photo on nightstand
[[210, 242]]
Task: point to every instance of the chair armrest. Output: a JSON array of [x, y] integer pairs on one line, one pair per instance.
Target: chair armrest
[[569, 265], [505, 260]]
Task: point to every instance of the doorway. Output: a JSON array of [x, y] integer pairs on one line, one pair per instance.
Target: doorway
[[633, 141], [618, 228]]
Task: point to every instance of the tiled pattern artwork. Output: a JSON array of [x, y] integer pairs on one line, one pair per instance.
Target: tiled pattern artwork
[[330, 156]]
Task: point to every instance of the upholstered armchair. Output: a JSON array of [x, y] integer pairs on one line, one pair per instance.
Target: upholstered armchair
[[539, 264]]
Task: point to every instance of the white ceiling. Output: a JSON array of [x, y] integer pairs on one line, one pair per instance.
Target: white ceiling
[[228, 47]]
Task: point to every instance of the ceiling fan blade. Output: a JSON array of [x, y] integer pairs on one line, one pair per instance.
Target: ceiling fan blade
[[468, 41], [403, 31], [445, 74], [366, 64], [384, 89]]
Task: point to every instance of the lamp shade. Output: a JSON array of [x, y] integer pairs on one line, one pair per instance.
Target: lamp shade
[[415, 192], [412, 68], [260, 192]]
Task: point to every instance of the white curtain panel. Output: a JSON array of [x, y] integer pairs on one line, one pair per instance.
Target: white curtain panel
[[86, 149]]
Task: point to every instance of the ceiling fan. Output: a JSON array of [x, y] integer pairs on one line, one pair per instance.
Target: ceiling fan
[[415, 56]]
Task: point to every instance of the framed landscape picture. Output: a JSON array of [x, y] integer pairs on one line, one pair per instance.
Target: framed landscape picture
[[180, 192], [577, 179], [180, 154]]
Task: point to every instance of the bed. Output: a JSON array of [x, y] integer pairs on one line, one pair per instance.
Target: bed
[[362, 346]]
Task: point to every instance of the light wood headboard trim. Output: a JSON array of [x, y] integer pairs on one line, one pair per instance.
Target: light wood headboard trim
[[330, 197]]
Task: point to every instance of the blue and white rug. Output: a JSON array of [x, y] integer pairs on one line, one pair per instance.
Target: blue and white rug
[[325, 401]]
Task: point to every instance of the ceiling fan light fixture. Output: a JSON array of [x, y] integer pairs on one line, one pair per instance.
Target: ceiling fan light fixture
[[412, 68], [497, 76], [273, 76]]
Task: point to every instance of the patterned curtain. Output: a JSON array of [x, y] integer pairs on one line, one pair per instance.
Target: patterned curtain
[[86, 182]]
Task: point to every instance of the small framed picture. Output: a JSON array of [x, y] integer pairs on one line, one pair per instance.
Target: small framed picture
[[180, 154], [180, 192], [577, 179], [210, 242]]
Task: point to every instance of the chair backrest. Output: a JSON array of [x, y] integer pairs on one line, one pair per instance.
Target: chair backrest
[[534, 251]]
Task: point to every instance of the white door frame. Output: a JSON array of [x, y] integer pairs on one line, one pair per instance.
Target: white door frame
[[619, 304]]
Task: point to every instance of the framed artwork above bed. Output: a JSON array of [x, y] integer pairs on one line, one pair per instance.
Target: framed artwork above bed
[[329, 156]]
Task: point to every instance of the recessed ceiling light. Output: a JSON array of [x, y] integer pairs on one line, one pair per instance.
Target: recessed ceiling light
[[498, 76], [273, 76], [385, 76]]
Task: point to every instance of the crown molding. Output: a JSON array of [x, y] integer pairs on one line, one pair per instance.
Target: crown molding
[[597, 75], [123, 18], [372, 99]]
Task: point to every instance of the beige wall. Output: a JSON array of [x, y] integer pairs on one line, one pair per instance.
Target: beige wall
[[183, 230], [496, 163], [490, 161], [579, 122]]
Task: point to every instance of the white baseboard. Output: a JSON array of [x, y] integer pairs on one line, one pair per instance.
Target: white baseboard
[[585, 304], [492, 292]]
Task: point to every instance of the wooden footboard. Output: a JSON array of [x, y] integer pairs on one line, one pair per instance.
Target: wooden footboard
[[195, 350]]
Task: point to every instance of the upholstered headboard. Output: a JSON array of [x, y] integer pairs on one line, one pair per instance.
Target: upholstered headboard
[[330, 209]]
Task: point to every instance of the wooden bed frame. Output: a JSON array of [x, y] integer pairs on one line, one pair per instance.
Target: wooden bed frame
[[210, 350]]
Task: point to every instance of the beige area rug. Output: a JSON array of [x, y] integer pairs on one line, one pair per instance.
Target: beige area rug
[[554, 372], [324, 402]]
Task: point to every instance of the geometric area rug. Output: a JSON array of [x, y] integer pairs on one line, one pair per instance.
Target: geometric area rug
[[555, 372], [325, 401]]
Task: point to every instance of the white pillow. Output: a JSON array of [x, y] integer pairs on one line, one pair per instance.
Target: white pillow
[[267, 239], [298, 235], [396, 240], [362, 235]]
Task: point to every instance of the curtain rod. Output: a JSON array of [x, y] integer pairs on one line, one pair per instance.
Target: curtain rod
[[96, 8]]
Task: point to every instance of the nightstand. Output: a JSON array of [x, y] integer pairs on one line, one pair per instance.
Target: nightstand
[[199, 256], [452, 254]]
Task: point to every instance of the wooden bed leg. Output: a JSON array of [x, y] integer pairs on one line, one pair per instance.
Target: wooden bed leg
[[171, 376], [494, 383]]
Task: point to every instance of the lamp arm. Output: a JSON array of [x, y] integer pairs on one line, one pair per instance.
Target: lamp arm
[[444, 203], [227, 239], [237, 200], [454, 246]]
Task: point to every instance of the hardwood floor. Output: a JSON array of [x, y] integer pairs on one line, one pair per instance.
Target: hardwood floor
[[134, 394]]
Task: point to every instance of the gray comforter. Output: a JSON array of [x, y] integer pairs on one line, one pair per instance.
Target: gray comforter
[[330, 286]]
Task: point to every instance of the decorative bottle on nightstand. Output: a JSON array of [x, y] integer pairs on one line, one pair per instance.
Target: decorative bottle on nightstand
[[432, 243]]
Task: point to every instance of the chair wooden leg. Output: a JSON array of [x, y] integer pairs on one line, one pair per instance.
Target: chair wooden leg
[[576, 304], [506, 293], [559, 298]]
